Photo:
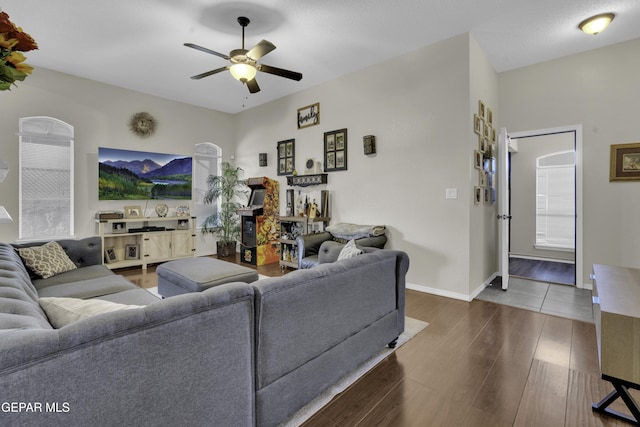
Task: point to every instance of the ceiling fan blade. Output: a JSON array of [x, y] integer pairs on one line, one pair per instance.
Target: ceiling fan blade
[[205, 50], [209, 73], [293, 75], [253, 86], [260, 50]]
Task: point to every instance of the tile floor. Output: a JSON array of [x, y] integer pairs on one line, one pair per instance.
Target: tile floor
[[558, 300]]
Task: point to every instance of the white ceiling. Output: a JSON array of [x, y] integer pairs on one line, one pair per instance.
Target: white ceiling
[[138, 44]]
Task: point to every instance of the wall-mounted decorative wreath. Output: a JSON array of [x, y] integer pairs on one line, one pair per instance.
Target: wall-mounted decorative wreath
[[142, 124]]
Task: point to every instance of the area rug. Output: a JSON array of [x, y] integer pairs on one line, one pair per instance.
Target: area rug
[[411, 329]]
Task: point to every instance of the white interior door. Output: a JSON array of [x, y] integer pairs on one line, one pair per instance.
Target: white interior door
[[504, 214]]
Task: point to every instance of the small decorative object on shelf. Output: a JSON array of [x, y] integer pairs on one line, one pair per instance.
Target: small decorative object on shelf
[[132, 252], [306, 180], [132, 211], [182, 211], [161, 210], [110, 255], [15, 41]]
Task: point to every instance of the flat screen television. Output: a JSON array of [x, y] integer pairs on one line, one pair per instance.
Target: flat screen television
[[141, 175]]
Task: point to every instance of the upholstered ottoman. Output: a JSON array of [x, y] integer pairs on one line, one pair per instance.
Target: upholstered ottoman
[[197, 274]]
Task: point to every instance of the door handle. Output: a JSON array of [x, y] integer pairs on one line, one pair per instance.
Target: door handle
[[504, 216]]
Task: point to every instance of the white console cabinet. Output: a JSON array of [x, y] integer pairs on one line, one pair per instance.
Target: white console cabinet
[[130, 242]]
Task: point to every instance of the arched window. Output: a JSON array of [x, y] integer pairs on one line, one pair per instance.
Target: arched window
[[46, 179], [206, 161], [555, 201]]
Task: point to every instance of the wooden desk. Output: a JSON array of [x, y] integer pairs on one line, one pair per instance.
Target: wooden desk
[[616, 310]]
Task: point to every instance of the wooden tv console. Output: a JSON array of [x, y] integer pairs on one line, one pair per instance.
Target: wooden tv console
[[616, 311]]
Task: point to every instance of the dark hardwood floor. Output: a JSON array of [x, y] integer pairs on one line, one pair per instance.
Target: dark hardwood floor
[[543, 271], [476, 364]]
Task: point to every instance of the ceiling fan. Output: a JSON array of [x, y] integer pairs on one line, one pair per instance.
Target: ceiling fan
[[244, 63]]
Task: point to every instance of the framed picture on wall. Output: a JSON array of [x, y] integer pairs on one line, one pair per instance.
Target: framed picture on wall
[[625, 162], [335, 150], [286, 156]]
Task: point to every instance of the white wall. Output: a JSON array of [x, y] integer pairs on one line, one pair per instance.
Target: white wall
[[99, 114], [418, 107], [483, 257], [598, 89]]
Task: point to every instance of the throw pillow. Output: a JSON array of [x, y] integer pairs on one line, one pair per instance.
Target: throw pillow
[[63, 311], [47, 260], [350, 250]]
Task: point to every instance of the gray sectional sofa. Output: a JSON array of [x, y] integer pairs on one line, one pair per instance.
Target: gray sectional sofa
[[234, 355]]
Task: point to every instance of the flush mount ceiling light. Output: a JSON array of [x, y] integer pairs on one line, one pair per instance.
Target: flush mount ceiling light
[[596, 24]]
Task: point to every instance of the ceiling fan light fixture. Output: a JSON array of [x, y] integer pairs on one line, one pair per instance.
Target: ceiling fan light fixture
[[596, 24], [243, 72]]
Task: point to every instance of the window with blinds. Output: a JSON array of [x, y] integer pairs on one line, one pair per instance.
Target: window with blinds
[[555, 201], [206, 161], [46, 179]]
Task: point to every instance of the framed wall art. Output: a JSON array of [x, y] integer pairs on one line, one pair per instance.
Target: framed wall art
[[625, 162], [309, 115], [335, 150], [286, 156]]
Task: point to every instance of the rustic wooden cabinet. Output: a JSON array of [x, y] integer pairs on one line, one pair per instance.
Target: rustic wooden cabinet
[[616, 312], [130, 242]]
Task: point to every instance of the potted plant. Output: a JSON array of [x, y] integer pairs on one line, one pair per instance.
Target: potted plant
[[225, 224]]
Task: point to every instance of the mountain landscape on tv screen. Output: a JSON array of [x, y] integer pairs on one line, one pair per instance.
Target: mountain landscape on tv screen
[[134, 175]]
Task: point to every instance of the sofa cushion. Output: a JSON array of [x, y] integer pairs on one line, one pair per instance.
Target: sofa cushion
[[47, 260], [77, 275], [63, 311], [137, 296], [91, 288], [349, 250]]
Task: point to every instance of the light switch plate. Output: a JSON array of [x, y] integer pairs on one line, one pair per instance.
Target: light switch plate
[[451, 193]]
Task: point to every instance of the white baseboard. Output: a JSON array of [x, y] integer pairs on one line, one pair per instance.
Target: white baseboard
[[439, 292], [449, 294]]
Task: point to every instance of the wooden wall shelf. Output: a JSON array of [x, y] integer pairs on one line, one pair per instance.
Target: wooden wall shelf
[[307, 180]]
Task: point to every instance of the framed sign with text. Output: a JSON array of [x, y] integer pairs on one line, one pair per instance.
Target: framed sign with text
[[309, 115]]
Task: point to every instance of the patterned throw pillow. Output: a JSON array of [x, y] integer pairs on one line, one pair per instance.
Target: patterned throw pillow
[[62, 311], [47, 260], [350, 250]]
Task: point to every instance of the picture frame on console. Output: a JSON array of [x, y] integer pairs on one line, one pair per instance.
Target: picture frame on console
[[132, 211], [110, 255], [335, 150], [132, 252]]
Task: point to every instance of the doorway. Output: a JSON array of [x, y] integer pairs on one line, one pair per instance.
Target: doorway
[[504, 211], [542, 199]]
